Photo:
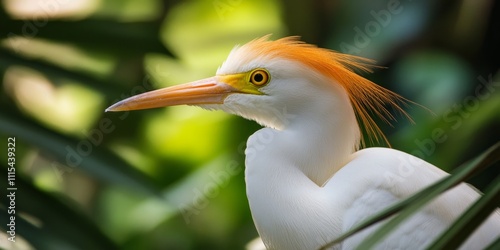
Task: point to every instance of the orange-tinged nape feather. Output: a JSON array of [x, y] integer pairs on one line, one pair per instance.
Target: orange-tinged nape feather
[[365, 95]]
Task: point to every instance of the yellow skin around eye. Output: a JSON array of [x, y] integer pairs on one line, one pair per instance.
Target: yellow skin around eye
[[244, 81]]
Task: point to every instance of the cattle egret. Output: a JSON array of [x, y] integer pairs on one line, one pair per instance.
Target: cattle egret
[[307, 180]]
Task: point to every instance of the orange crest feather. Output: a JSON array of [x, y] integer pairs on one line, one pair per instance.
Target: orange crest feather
[[365, 95]]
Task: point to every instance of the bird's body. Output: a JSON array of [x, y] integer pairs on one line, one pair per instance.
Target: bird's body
[[307, 182], [292, 212]]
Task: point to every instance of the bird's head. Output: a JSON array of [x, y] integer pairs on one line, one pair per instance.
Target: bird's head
[[273, 81]]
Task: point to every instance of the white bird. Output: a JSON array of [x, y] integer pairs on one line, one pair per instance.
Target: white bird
[[307, 181]]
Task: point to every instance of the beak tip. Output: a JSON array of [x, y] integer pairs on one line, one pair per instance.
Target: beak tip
[[113, 108]]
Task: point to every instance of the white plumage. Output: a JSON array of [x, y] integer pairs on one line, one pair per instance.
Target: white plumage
[[307, 182]]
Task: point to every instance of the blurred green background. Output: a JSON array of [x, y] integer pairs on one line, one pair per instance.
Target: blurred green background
[[172, 178]]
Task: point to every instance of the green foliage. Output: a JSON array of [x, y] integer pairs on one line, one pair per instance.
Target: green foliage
[[54, 222], [173, 178]]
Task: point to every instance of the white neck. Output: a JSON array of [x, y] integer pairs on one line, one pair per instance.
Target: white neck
[[318, 136], [283, 167], [322, 145]]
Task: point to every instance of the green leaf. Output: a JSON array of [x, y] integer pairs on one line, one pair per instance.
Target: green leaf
[[51, 223], [108, 88], [470, 220], [110, 36], [411, 205], [495, 245], [99, 162]]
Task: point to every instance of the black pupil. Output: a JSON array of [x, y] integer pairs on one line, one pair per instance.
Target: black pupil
[[258, 77]]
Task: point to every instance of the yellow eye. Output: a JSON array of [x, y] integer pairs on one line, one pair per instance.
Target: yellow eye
[[259, 77]]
